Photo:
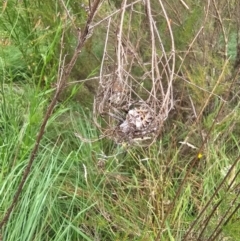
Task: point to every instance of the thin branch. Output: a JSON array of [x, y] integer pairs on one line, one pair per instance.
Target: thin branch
[[195, 160], [119, 43], [184, 4], [223, 29], [104, 52], [114, 13], [226, 222], [61, 83]]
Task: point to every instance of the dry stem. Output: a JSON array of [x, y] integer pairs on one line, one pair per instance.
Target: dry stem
[[61, 83]]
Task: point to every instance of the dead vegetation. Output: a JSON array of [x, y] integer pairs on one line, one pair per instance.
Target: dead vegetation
[[135, 93]]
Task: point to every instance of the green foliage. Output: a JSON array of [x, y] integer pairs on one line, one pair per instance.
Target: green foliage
[[33, 36], [100, 190], [232, 229], [190, 23], [232, 46]]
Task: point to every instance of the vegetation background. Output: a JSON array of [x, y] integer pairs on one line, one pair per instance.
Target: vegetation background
[[185, 186]]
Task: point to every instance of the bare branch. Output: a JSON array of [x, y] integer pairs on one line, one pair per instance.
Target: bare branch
[[61, 83]]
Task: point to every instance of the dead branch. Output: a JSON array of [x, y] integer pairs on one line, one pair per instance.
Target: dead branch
[[61, 83], [133, 107]]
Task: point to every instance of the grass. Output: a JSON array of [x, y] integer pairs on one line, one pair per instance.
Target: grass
[[103, 190]]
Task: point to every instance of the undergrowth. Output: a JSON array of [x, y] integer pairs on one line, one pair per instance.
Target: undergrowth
[[185, 186]]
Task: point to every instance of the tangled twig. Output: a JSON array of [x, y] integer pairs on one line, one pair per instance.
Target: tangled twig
[[134, 106]]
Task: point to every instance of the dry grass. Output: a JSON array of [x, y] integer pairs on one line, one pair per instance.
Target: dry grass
[[135, 92], [166, 80]]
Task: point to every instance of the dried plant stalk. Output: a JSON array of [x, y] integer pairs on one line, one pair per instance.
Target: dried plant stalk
[[63, 75], [135, 92]]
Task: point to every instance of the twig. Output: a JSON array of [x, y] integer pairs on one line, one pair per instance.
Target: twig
[[114, 13], [195, 38], [68, 13], [223, 30], [184, 4], [226, 222], [119, 43], [153, 47], [104, 52], [218, 227], [61, 83], [195, 160], [169, 95], [88, 79]]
